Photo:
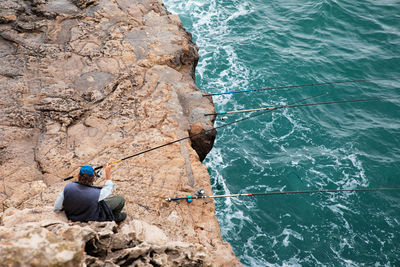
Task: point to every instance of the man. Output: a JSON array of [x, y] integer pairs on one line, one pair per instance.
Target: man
[[84, 202]]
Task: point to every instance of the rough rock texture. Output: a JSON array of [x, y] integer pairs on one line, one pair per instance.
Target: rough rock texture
[[93, 81], [27, 239]]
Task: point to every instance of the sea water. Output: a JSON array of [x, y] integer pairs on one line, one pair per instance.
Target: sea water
[[250, 44]]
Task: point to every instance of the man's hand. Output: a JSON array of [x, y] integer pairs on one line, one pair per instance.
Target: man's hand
[[108, 170]]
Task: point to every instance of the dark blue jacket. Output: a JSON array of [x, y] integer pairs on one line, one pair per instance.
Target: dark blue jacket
[[81, 203]]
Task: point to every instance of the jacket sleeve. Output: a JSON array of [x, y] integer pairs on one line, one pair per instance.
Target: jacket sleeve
[[58, 205], [106, 190]]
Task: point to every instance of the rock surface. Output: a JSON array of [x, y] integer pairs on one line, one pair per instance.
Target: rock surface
[[55, 242], [91, 82]]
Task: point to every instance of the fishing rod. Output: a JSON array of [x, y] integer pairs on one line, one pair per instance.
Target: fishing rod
[[301, 105], [200, 194], [191, 136], [300, 85]]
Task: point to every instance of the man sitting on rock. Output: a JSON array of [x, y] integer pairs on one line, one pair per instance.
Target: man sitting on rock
[[84, 202]]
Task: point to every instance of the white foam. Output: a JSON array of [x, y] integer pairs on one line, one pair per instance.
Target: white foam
[[243, 9], [338, 208], [287, 233]]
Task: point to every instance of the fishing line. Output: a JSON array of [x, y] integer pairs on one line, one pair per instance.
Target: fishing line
[[300, 85], [301, 105], [191, 136], [200, 193]]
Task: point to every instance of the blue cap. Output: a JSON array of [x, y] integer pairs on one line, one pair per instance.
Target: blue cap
[[87, 169]]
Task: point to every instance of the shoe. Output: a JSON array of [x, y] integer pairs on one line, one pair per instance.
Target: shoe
[[121, 217]]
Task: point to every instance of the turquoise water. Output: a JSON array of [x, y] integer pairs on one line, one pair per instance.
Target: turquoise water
[[250, 44]]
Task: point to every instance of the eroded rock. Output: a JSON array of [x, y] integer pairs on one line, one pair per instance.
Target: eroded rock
[[35, 241], [93, 81]]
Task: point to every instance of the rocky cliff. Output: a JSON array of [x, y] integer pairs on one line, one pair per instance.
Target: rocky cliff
[[91, 82]]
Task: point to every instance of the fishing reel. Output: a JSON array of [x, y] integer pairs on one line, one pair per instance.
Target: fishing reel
[[199, 194], [98, 174]]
